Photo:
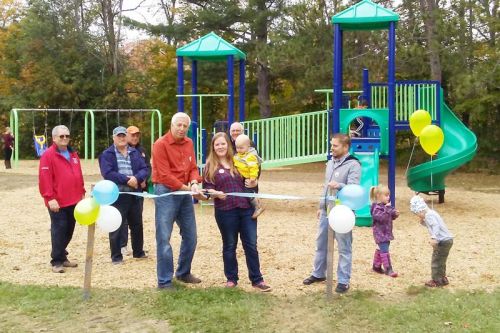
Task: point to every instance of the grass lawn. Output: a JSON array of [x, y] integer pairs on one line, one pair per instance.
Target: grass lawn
[[62, 309]]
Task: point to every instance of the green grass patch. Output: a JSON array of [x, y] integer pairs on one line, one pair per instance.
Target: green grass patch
[[38, 308]]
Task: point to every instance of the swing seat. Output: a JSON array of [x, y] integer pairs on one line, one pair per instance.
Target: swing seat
[[40, 144]]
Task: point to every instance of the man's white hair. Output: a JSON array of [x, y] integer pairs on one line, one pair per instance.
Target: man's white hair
[[58, 128], [180, 115], [236, 124]]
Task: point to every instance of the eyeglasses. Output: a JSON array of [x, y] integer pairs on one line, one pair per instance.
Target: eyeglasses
[[64, 136]]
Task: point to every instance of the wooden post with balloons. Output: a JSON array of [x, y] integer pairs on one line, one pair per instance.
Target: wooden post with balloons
[[97, 210]]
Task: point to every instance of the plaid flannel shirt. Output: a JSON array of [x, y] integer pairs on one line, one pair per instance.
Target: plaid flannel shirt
[[223, 181]]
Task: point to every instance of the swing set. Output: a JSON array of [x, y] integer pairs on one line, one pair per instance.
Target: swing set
[[41, 142]]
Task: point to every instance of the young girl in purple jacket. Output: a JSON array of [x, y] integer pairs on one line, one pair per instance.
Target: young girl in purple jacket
[[382, 214]]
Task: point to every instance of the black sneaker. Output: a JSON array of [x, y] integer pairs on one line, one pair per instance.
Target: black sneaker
[[166, 287], [188, 278], [312, 279], [342, 288]]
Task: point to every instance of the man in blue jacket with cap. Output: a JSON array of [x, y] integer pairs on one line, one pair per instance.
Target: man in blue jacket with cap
[[125, 166]]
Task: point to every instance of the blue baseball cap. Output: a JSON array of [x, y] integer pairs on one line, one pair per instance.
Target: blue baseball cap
[[119, 130]]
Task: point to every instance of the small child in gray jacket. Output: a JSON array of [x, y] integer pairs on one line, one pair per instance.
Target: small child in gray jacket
[[441, 240]]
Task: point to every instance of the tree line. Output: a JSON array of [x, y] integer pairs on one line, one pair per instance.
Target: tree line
[[72, 54]]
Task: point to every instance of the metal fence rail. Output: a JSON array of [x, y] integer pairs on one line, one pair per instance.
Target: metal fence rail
[[287, 140], [410, 96]]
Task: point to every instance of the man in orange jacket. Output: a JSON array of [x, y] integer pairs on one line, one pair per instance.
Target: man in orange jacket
[[175, 169], [60, 181]]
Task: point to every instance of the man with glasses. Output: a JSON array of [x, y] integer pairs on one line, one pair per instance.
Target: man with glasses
[[125, 166], [60, 181]]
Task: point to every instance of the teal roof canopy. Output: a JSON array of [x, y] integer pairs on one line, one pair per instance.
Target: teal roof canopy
[[211, 48], [365, 15]]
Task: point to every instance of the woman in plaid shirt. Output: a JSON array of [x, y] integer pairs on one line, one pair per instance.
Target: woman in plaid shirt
[[233, 214]]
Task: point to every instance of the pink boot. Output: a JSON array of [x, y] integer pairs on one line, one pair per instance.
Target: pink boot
[[386, 261], [377, 262]]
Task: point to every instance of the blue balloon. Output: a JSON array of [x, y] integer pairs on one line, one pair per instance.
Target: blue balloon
[[353, 196], [105, 192]]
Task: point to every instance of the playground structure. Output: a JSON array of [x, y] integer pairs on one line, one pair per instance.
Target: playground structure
[[89, 133], [304, 138]]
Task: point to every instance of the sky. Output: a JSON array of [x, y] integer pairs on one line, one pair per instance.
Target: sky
[[147, 13]]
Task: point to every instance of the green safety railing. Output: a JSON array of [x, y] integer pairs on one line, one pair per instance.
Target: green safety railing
[[410, 96], [287, 140]]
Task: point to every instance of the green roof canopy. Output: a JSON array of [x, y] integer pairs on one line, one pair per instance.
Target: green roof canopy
[[365, 15], [211, 48]]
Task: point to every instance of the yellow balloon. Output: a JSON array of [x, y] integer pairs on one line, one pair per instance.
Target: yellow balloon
[[431, 139], [86, 211], [418, 120]]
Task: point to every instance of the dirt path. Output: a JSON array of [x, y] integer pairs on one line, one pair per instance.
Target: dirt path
[[287, 233]]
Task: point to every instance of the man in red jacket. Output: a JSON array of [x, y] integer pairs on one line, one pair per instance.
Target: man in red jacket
[[60, 181]]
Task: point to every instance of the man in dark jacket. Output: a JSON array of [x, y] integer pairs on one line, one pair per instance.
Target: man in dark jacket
[[133, 140], [126, 167]]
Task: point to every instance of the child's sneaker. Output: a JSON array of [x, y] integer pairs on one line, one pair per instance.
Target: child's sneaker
[[262, 286], [258, 210]]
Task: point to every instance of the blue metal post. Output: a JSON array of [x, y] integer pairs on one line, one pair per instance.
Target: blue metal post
[[180, 84], [230, 89], [194, 103], [439, 93], [366, 87], [367, 98], [242, 91], [391, 92], [194, 90], [337, 79]]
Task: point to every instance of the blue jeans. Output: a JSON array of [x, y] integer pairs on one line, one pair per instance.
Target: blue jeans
[[384, 247], [62, 225], [178, 208], [344, 245], [231, 223]]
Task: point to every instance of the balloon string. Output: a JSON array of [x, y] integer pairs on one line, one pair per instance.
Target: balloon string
[[411, 155]]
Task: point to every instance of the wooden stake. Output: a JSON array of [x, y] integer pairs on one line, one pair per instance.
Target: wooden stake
[[87, 280], [329, 263], [88, 261]]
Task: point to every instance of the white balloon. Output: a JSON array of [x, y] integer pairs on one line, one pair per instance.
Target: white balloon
[[341, 219], [109, 219]]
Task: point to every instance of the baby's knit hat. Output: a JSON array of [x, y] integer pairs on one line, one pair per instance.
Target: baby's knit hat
[[417, 204]]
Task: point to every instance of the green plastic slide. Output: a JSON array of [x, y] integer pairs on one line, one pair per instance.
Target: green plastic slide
[[459, 147], [369, 177]]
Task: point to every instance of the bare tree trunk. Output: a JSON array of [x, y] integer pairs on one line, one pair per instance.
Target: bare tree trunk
[[430, 9], [493, 18], [116, 68], [170, 10], [263, 72], [112, 37]]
